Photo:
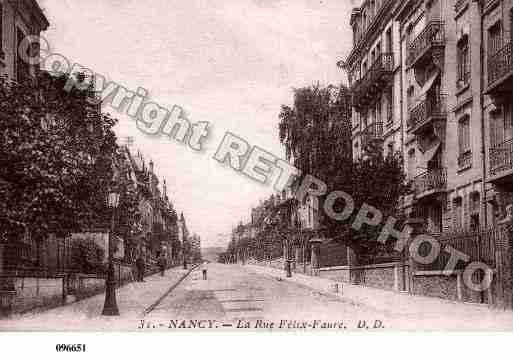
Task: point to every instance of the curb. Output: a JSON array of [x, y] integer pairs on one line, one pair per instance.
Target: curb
[[163, 296]]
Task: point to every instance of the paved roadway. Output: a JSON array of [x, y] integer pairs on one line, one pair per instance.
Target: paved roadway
[[233, 296]]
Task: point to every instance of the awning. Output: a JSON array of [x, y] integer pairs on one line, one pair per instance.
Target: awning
[[431, 152], [429, 83]]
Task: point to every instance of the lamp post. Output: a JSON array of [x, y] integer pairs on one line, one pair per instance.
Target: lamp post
[[110, 307]]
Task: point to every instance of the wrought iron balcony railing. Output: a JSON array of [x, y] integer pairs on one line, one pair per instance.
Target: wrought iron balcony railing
[[432, 180], [371, 82], [372, 132], [431, 108], [433, 35], [501, 157], [459, 5], [500, 64]]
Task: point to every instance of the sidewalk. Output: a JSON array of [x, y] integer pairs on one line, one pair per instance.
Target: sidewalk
[[132, 300], [388, 302]]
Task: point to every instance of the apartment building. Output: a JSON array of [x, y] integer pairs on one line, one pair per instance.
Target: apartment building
[[18, 18], [497, 36], [373, 68], [441, 99], [453, 138]]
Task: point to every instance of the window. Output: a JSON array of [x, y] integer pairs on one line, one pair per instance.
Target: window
[[389, 106], [458, 213], [389, 41], [501, 125], [410, 94], [378, 111], [474, 211], [463, 60], [494, 39], [390, 148], [1, 31], [22, 67], [412, 170], [464, 135], [511, 24]]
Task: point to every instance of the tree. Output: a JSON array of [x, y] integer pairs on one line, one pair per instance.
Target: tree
[[316, 134], [55, 158], [316, 131]]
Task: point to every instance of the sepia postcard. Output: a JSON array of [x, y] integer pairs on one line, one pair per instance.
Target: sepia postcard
[[306, 166]]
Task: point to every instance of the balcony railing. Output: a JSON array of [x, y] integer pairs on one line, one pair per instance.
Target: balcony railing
[[501, 157], [432, 35], [459, 5], [372, 132], [371, 82], [500, 64], [428, 109], [432, 180]]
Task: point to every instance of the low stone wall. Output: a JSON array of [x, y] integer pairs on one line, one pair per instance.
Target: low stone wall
[[338, 274], [382, 276], [447, 285], [30, 293], [26, 293]]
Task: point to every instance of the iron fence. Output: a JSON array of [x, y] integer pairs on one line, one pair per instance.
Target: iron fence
[[479, 245]]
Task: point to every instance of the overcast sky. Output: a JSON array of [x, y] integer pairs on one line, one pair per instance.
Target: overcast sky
[[229, 62]]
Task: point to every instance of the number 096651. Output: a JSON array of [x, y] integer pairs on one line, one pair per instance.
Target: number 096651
[[70, 348]]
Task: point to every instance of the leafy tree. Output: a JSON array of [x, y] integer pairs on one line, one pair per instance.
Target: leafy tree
[[55, 158], [316, 134], [316, 131]]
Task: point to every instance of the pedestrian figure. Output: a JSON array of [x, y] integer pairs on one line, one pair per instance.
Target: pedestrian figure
[[141, 267], [162, 264], [204, 274]]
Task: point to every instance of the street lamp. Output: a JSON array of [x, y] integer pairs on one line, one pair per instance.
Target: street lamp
[[110, 307]]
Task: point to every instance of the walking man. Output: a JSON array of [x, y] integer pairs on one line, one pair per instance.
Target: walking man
[[141, 267], [162, 264]]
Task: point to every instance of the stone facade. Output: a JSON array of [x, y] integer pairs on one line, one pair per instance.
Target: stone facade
[[448, 103]]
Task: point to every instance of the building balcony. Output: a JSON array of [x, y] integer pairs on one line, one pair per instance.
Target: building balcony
[[373, 132], [501, 162], [425, 44], [372, 82], [426, 112], [460, 5], [430, 182], [500, 71]]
